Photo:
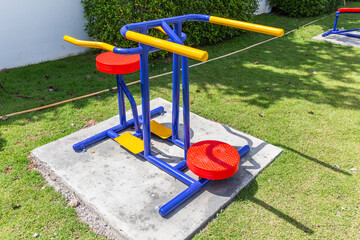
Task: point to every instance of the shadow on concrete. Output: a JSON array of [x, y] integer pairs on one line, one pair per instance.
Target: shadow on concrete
[[253, 150], [229, 186], [225, 187], [324, 164], [165, 157]]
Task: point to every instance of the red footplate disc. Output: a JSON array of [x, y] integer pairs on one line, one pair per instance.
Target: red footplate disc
[[213, 159]]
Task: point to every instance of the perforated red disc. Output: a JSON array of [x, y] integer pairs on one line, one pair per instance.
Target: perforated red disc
[[213, 159], [113, 63], [355, 10]]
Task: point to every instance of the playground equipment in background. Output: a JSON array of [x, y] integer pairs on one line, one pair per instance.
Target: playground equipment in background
[[343, 32], [210, 160]]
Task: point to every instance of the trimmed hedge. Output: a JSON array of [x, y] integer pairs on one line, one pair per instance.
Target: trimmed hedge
[[305, 8], [106, 17]]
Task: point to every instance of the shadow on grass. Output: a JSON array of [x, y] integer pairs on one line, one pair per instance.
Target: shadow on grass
[[282, 215], [248, 195], [2, 143], [324, 164], [286, 68]]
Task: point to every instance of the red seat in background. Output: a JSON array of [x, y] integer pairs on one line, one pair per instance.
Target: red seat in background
[[113, 63]]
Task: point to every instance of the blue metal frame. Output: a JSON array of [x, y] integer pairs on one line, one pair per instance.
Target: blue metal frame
[[170, 21], [176, 36], [342, 32], [176, 90]]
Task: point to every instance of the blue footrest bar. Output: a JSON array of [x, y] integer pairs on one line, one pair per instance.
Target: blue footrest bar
[[104, 134]]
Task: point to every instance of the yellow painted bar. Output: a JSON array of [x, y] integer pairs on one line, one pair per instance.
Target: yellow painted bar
[[89, 44], [168, 46], [161, 29], [247, 26]]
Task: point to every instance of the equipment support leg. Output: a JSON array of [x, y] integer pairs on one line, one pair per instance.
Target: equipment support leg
[[145, 98], [176, 89], [186, 104], [133, 106], [121, 100], [336, 20]]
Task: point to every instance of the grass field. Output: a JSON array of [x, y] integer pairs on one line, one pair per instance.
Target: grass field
[[308, 93]]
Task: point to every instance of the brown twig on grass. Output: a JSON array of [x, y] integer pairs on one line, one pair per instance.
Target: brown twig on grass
[[12, 94]]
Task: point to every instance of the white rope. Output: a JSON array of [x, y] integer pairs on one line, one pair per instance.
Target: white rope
[[162, 74]]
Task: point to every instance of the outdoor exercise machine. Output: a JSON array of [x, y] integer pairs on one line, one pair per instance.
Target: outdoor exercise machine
[[209, 159], [343, 32]]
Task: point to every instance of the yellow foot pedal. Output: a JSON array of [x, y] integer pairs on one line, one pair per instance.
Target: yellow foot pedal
[[131, 143], [160, 130]]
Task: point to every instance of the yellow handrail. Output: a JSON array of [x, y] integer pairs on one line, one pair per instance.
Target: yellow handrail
[[161, 29], [247, 26], [89, 44], [168, 46], [178, 48]]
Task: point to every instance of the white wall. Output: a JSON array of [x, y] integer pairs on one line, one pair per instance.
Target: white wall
[[264, 7], [31, 31]]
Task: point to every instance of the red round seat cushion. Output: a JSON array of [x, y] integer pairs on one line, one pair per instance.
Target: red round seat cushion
[[113, 63], [348, 10]]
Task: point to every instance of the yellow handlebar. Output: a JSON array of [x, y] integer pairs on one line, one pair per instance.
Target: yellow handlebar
[[247, 26], [89, 44], [168, 46], [178, 48], [161, 29]]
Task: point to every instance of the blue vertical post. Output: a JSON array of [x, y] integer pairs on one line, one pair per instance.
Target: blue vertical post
[[145, 95], [121, 100], [336, 20], [176, 88], [133, 106], [186, 103]]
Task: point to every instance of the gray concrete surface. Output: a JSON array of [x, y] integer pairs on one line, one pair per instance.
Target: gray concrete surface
[[125, 191], [340, 39]]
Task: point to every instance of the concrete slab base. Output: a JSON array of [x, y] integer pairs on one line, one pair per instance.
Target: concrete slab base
[[124, 191], [340, 39]]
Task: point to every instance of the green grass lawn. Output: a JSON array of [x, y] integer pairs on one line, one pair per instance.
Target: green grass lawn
[[307, 192]]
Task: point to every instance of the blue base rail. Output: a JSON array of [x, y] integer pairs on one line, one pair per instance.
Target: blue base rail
[[342, 32], [176, 172], [192, 189]]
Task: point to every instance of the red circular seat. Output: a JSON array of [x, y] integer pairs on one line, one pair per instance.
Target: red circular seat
[[350, 10], [213, 159], [113, 63]]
